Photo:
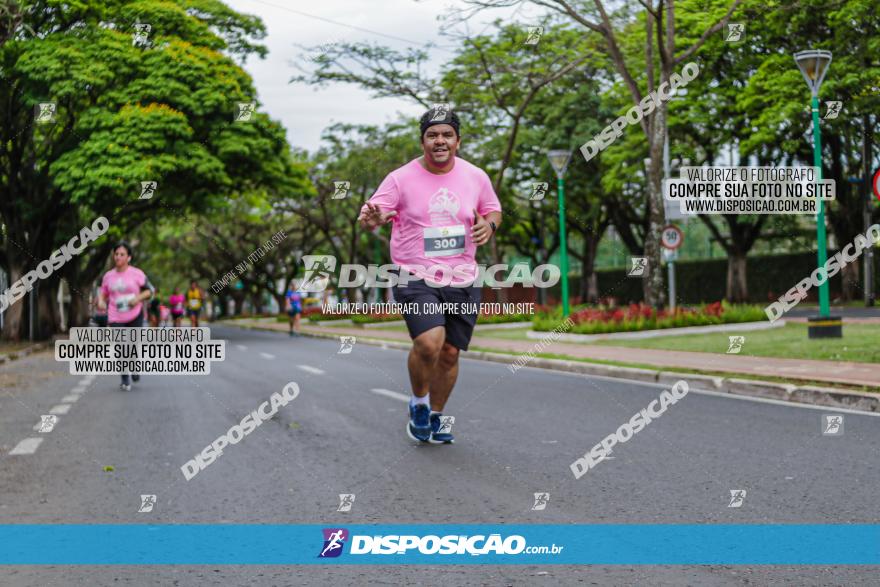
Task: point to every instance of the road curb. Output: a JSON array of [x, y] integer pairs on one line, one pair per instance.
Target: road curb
[[800, 394]]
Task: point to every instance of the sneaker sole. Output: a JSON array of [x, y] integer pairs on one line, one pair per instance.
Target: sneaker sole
[[432, 441], [414, 437]]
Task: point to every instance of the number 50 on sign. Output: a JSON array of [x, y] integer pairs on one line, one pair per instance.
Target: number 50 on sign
[[672, 237]]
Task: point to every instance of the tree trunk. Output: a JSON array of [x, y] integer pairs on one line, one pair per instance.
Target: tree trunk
[[48, 318], [224, 306], [737, 290], [652, 286], [281, 299], [79, 307], [850, 277], [589, 280], [14, 318]]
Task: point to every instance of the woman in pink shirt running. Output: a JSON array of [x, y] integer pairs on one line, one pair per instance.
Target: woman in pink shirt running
[[123, 290], [176, 301]]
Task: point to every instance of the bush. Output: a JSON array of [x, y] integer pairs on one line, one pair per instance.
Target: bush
[[315, 315], [636, 317], [318, 317], [374, 318]]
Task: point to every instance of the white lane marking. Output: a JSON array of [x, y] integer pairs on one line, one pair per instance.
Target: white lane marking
[[392, 394], [60, 409], [39, 425], [78, 390], [87, 380], [267, 356], [310, 369], [241, 347], [69, 399], [26, 447]]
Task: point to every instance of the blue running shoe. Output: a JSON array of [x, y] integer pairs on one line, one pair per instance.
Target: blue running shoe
[[441, 432], [419, 425]]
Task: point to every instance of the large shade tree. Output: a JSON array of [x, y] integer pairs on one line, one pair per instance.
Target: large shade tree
[[160, 108]]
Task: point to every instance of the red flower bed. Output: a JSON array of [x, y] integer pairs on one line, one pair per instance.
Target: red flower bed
[[607, 319], [636, 312]]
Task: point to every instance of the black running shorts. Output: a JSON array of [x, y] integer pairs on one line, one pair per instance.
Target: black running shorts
[[459, 327]]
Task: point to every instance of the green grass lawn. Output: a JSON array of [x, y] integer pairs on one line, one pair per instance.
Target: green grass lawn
[[805, 381], [12, 347], [394, 327], [860, 343], [507, 333]]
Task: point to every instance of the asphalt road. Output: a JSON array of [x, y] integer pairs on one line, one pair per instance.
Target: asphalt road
[[516, 434]]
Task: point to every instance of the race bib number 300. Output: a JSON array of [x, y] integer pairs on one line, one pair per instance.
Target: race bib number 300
[[444, 241]]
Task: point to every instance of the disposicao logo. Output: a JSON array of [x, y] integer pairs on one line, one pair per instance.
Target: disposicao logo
[[334, 540]]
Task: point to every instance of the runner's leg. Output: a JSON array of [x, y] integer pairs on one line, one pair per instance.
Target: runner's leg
[[126, 380], [445, 375], [423, 358], [459, 329]]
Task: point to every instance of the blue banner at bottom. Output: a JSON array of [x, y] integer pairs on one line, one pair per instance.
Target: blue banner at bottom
[[516, 544]]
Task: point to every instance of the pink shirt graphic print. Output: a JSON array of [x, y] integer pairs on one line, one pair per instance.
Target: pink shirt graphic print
[[435, 214]]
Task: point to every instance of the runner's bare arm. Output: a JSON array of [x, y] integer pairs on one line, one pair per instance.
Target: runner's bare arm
[[482, 231], [146, 292]]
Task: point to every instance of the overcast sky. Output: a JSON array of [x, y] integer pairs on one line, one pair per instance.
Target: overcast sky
[[305, 111]]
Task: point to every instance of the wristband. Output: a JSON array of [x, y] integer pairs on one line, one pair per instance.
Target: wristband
[[494, 226]]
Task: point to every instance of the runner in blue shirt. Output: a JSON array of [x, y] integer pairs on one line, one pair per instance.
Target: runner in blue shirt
[[294, 308]]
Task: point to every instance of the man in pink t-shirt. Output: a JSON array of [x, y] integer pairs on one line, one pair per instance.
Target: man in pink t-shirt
[[441, 208], [123, 291]]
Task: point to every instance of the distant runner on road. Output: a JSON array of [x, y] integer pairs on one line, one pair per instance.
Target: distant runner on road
[[123, 290], [177, 303], [154, 312], [442, 209], [194, 298], [294, 307]]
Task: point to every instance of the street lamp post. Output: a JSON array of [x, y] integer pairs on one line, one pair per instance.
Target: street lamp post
[[539, 241], [559, 159], [813, 64]]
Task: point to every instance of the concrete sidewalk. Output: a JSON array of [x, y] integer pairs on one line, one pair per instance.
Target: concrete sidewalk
[[839, 372]]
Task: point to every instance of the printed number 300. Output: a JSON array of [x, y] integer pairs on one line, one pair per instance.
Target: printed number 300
[[444, 243]]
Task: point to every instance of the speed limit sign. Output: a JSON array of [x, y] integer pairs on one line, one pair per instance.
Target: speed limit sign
[[672, 237]]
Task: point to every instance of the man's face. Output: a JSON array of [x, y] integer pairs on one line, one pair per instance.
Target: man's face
[[440, 143]]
